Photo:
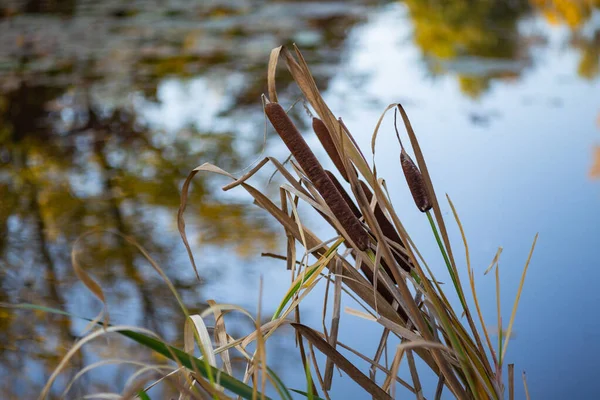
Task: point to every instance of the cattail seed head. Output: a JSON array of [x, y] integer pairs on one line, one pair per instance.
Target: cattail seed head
[[327, 142], [313, 169], [415, 182], [344, 194]]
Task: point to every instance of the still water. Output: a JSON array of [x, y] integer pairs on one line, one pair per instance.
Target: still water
[[105, 108]]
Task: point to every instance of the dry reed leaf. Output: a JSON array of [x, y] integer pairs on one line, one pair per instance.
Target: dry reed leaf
[[429, 184], [399, 330], [341, 361], [261, 350], [381, 351], [439, 389], [220, 335], [195, 330], [495, 260], [376, 365], [183, 202], [335, 322], [387, 385], [414, 374], [290, 241], [89, 282], [525, 386], [271, 70], [359, 314], [317, 371], [195, 325]]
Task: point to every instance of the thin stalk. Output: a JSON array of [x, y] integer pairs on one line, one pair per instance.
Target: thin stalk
[[446, 259]]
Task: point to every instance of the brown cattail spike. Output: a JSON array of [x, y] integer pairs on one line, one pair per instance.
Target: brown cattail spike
[[329, 146], [311, 166], [415, 182], [344, 194]]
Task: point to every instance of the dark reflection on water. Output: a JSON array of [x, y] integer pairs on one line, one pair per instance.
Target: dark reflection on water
[[79, 150]]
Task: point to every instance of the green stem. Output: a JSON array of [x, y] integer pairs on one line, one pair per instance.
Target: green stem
[[447, 260]]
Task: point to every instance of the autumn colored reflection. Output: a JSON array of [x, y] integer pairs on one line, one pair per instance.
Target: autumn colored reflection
[[480, 41]]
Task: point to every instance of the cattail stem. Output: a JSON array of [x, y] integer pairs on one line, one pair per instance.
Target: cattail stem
[[313, 169], [446, 259]]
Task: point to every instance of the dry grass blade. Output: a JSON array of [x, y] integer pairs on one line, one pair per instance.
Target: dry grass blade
[[335, 322], [389, 380], [195, 325], [495, 261], [291, 242], [317, 371], [516, 304], [183, 202], [272, 69], [220, 335], [341, 361], [414, 374], [88, 281], [439, 389], [399, 330], [525, 386]]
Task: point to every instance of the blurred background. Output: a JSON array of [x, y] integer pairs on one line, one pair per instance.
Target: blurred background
[[105, 107]]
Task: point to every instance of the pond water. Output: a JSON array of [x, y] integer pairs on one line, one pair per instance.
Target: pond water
[[105, 108]]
